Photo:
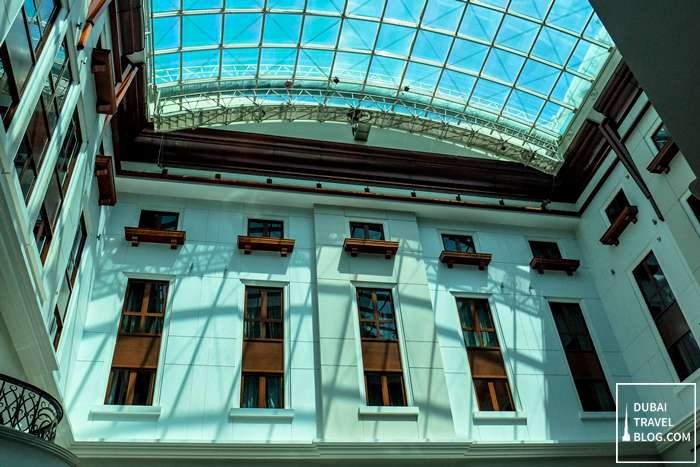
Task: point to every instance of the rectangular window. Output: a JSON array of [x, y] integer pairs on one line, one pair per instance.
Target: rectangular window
[[366, 231], [616, 206], [262, 228], [460, 243], [137, 349], [660, 137], [484, 355], [69, 152], [263, 349], [670, 321], [50, 209], [381, 357], [592, 387], [158, 220], [694, 204], [545, 250]]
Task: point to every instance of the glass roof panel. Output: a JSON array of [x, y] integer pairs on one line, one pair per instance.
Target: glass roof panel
[[497, 72]]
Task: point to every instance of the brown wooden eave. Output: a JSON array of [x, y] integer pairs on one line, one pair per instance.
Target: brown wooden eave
[[282, 245], [660, 164], [359, 245], [104, 171], [541, 265], [612, 235], [137, 235], [459, 257]]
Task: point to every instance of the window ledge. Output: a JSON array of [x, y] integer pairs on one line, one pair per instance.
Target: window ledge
[[598, 415], [262, 414], [499, 417], [388, 413], [126, 411]]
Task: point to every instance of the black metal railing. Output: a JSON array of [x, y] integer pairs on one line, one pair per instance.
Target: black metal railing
[[28, 409]]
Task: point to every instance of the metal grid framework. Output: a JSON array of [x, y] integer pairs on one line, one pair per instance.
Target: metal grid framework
[[503, 76]]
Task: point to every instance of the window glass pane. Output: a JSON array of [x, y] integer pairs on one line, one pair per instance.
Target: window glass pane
[[568, 341], [695, 206], [274, 304], [489, 339], [576, 317], [274, 230], [384, 305], [616, 206], [502, 394], [483, 395], [364, 298], [465, 314], [604, 396], [274, 330], [118, 388], [560, 321], [375, 232], [482, 314], [156, 301], [660, 137], [254, 303], [274, 392], [387, 331], [368, 329], [471, 338], [19, 50], [584, 343], [374, 390], [37, 134], [466, 244], [21, 160], [449, 243], [41, 232], [51, 112], [68, 151], [135, 299], [53, 199], [153, 325], [143, 387], [685, 356], [251, 392], [169, 222], [63, 297], [147, 220], [395, 387], [130, 323], [357, 231], [253, 329], [645, 282]]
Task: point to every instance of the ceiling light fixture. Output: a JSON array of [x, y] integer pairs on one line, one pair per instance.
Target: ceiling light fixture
[[336, 80]]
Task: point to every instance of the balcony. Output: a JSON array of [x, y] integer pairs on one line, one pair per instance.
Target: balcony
[[451, 258], [283, 245], [660, 164], [28, 409], [382, 247], [141, 234], [627, 216]]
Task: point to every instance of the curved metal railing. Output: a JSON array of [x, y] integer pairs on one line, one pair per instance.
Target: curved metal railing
[[28, 409]]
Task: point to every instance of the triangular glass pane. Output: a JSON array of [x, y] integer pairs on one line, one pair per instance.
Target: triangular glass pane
[[332, 6], [596, 30], [554, 118], [242, 28], [314, 63], [161, 6], [166, 33], [431, 46], [467, 55], [517, 33], [352, 66], [282, 29], [277, 61], [523, 106], [536, 9], [395, 39], [200, 64], [554, 46], [371, 8], [570, 14], [321, 30], [538, 77], [386, 70], [247, 4], [421, 77], [503, 65], [498, 3], [480, 23], [571, 89], [239, 62], [199, 30], [404, 10], [456, 85], [188, 5], [285, 4], [489, 96], [358, 34], [588, 59], [167, 68], [443, 14]]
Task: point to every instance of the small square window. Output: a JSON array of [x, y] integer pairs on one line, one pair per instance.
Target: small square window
[[660, 137], [616, 206], [385, 389], [366, 231], [545, 250], [460, 243], [262, 391], [263, 228], [158, 220]]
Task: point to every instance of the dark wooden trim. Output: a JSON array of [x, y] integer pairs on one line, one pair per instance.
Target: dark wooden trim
[[283, 245], [621, 89], [459, 257], [95, 10], [104, 171], [103, 71], [612, 235], [358, 245], [552, 264], [660, 164], [139, 234]]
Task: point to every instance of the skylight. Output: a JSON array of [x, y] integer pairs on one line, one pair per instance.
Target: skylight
[[505, 76]]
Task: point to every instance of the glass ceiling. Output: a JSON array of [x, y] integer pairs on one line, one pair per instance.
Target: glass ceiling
[[505, 76]]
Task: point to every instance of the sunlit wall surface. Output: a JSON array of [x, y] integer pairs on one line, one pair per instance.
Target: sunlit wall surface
[[522, 65]]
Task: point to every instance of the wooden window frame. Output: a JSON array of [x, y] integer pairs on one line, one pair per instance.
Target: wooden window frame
[[262, 388], [159, 219], [263, 314], [266, 227], [365, 226], [143, 313], [481, 347], [132, 383], [566, 309], [457, 240], [385, 387], [375, 308]]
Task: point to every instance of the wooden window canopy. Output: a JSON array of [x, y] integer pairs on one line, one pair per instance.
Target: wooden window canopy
[[662, 160], [460, 257], [355, 245], [627, 215], [104, 171], [139, 234], [553, 264], [283, 245], [103, 69]]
